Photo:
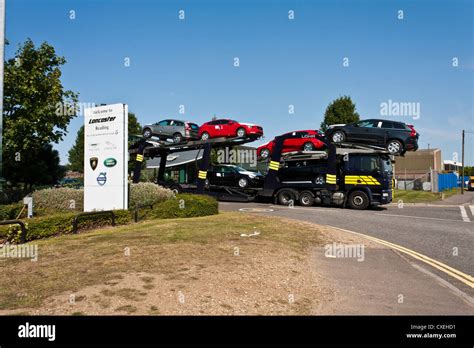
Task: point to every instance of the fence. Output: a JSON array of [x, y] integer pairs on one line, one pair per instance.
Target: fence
[[449, 181]]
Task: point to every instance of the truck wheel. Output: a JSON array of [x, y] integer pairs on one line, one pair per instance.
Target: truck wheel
[[306, 198], [176, 189], [286, 196], [358, 200]]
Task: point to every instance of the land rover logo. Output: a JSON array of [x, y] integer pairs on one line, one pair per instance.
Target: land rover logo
[[110, 162], [102, 179], [93, 162]]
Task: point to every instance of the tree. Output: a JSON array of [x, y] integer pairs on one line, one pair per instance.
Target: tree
[[39, 166], [341, 110], [76, 153], [32, 93]]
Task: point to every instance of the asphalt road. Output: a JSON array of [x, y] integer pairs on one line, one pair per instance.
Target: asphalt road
[[442, 232]]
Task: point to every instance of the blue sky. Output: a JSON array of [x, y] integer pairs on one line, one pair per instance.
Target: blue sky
[[283, 62]]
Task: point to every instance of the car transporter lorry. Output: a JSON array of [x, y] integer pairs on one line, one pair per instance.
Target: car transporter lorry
[[346, 174]]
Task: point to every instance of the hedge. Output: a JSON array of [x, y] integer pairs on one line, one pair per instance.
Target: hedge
[[54, 225], [183, 206], [10, 211], [52, 200]]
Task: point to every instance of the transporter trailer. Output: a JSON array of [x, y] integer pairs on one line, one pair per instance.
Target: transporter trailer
[[346, 174]]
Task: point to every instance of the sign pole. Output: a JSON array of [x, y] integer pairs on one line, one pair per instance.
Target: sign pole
[[2, 60]]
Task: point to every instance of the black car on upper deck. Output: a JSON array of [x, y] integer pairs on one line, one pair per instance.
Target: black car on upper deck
[[396, 137]]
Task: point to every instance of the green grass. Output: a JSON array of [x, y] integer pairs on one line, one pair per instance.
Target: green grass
[[413, 196], [68, 263]]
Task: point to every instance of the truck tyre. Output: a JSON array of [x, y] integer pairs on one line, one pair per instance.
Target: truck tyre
[[286, 196], [358, 200], [306, 199], [176, 189]]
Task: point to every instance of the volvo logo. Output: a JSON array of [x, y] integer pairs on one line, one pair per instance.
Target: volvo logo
[[102, 179]]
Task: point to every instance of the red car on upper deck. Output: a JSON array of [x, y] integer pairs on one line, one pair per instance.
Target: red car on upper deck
[[229, 128], [303, 140]]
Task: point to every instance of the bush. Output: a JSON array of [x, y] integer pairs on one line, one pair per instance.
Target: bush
[[54, 200], [147, 193], [53, 225], [10, 211], [58, 200], [185, 205]]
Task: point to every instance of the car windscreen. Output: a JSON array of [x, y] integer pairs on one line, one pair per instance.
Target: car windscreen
[[194, 126]]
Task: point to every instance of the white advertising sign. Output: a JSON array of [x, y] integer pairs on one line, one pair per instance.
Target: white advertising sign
[[106, 158]]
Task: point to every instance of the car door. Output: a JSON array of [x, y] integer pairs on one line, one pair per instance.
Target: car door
[[292, 142], [161, 127], [363, 131], [172, 127], [224, 128], [383, 132], [215, 128], [213, 175], [228, 176]]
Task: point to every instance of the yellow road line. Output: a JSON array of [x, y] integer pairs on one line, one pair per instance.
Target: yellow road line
[[463, 277]]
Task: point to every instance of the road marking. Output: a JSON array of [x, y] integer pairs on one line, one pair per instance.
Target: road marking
[[465, 218], [472, 209], [462, 277], [419, 217]]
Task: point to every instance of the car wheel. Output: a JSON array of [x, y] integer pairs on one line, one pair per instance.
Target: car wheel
[[306, 199], [394, 147], [358, 200], [286, 196], [147, 133], [205, 136], [243, 182], [338, 137], [319, 180], [177, 138], [241, 132], [265, 153], [308, 147]]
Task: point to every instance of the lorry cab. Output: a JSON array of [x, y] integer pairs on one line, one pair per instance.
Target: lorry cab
[[371, 174]]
